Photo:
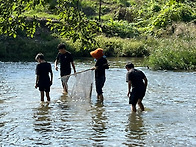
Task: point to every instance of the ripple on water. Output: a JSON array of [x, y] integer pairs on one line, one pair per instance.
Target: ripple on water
[[169, 118]]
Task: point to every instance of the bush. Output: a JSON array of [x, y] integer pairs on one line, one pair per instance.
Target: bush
[[156, 8], [173, 54], [120, 29], [177, 12], [118, 47]]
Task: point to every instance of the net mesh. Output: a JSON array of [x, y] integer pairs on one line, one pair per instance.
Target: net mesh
[[81, 84]]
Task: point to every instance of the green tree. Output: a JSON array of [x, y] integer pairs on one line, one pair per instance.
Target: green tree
[[72, 23]]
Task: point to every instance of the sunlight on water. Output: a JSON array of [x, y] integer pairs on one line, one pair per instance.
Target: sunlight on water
[[169, 118]]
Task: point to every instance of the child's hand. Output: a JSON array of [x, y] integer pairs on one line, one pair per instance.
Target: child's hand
[[56, 68], [128, 94], [93, 68], [36, 86]]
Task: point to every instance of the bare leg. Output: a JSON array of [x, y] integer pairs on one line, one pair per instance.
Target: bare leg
[[101, 97], [42, 95], [133, 108], [64, 83], [48, 96], [140, 104], [65, 87]]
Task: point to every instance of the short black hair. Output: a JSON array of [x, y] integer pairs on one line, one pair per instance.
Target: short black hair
[[129, 65], [39, 56], [61, 46]]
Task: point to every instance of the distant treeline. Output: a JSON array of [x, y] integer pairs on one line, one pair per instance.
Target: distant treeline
[[163, 32]]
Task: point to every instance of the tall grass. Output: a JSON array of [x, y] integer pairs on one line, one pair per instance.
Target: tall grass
[[118, 47], [172, 54]]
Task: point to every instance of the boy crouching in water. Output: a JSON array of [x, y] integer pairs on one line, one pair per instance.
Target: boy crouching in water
[[43, 81], [137, 84]]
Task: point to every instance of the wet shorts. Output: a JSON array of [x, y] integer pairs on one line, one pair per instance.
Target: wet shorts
[[65, 79], [46, 89], [135, 95]]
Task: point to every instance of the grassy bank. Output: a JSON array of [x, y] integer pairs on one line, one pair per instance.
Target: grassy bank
[[173, 55], [163, 32], [177, 51]]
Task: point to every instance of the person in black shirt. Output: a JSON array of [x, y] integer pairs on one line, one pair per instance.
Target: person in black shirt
[[43, 81], [137, 83], [100, 66], [66, 60]]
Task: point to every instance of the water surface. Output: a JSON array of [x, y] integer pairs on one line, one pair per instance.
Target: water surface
[[169, 119]]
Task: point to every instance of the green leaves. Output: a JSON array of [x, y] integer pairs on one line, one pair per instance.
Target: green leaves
[[72, 22], [12, 18]]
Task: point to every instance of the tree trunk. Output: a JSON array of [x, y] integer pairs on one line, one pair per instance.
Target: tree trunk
[[100, 10]]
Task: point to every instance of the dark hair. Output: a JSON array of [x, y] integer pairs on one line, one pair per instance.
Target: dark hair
[[129, 65], [39, 56], [61, 46]]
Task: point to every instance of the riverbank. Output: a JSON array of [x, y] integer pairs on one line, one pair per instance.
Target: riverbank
[[163, 33], [174, 52]]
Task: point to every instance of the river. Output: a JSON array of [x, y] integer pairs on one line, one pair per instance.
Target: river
[[168, 120]]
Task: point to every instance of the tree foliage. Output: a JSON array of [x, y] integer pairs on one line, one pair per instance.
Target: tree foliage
[[72, 23], [12, 18]]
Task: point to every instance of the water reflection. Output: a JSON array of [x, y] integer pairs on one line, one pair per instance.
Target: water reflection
[[121, 62], [135, 130], [63, 102], [99, 121], [42, 124]]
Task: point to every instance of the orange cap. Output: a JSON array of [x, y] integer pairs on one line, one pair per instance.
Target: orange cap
[[98, 53]]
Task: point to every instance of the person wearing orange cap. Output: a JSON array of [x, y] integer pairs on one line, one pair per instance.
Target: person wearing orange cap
[[100, 66]]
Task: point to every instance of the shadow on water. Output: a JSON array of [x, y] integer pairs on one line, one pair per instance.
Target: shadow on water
[[1, 101], [135, 130], [99, 121], [121, 62], [42, 124], [63, 102]]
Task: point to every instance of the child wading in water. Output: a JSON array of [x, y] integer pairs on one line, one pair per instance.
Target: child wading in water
[[43, 81], [137, 84], [100, 66], [66, 60]]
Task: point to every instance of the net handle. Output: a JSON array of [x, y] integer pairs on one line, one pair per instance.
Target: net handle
[[76, 73]]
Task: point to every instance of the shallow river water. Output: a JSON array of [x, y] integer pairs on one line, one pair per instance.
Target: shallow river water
[[169, 119]]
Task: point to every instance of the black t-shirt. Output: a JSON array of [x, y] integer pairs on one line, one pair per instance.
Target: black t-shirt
[[101, 65], [42, 70], [65, 60], [136, 77]]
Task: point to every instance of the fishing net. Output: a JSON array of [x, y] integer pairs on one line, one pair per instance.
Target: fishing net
[[81, 84]]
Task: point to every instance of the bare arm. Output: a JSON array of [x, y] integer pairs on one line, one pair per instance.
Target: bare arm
[[56, 64], [145, 82], [73, 67], [51, 77], [129, 88], [36, 82]]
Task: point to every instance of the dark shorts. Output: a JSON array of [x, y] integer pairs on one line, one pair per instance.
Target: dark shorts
[[99, 82], [65, 72], [46, 89], [137, 93]]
